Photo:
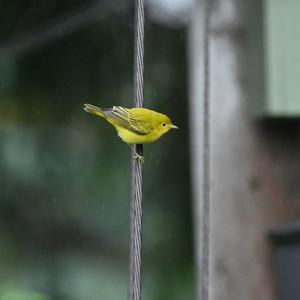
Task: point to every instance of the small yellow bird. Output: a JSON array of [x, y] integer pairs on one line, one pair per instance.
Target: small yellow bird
[[134, 125]]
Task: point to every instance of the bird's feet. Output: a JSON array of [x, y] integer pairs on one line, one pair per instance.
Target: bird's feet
[[136, 155], [139, 157]]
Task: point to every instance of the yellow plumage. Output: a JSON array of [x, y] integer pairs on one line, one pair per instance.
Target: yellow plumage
[[134, 125]]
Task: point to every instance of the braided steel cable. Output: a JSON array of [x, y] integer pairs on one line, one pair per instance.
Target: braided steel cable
[[135, 251]]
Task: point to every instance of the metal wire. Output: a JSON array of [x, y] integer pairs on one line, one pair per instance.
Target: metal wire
[[135, 251], [205, 201]]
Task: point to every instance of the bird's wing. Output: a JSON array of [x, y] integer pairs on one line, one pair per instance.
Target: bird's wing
[[123, 117]]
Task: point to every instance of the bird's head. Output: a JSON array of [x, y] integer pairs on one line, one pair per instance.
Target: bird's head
[[165, 124]]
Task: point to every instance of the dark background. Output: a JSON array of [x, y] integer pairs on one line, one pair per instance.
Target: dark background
[[65, 175]]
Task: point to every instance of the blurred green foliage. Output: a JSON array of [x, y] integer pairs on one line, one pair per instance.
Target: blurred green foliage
[[12, 294], [65, 176]]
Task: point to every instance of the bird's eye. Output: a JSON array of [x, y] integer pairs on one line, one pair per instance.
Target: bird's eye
[[164, 125]]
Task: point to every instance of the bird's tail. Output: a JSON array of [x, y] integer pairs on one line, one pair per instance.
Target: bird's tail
[[92, 109]]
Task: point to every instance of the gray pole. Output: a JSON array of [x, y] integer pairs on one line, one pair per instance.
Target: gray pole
[[200, 131]]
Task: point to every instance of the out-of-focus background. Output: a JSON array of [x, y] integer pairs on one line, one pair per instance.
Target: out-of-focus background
[[65, 175]]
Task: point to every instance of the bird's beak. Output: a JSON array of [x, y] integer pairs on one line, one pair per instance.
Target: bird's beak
[[174, 127]]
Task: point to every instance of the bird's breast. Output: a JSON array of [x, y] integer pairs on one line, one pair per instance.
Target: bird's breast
[[130, 137]]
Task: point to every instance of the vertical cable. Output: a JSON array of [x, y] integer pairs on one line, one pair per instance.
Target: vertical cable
[[135, 251], [205, 201]]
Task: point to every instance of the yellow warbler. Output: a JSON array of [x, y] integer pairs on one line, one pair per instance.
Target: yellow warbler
[[134, 125]]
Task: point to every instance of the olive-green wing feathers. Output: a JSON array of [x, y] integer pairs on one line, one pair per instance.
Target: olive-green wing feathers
[[123, 117]]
